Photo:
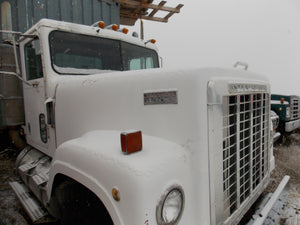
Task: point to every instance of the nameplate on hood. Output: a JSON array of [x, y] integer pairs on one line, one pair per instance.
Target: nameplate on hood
[[160, 98]]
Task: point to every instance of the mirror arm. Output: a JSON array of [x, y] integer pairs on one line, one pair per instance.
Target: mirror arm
[[17, 75]]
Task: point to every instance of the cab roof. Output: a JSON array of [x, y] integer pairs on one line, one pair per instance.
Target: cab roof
[[89, 30]]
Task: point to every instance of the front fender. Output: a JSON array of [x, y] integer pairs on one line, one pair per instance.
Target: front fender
[[96, 161]]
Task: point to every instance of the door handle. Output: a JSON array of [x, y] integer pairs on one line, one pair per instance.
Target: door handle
[[50, 111]]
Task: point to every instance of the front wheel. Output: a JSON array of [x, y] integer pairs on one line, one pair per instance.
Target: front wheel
[[80, 206]]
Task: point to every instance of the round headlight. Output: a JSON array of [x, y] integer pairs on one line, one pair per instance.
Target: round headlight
[[169, 209], [288, 112]]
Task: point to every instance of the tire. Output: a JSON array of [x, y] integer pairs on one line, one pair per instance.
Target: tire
[[79, 206]]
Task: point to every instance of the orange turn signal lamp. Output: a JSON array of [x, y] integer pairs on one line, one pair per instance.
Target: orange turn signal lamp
[[125, 31], [131, 141], [282, 100], [114, 27], [101, 24], [153, 41]]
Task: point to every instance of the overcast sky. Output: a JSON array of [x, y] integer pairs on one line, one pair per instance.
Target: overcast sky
[[263, 33]]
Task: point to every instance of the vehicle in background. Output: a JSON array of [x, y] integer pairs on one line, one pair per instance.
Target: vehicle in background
[[275, 122], [288, 109]]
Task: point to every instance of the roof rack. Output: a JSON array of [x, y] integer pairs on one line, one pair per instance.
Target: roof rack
[[131, 10]]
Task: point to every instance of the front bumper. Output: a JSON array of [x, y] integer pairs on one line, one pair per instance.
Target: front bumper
[[264, 209], [276, 137], [292, 125]]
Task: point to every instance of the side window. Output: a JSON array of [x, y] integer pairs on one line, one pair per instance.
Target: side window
[[33, 60]]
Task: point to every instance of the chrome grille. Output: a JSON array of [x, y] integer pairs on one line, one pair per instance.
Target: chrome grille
[[295, 113], [245, 145]]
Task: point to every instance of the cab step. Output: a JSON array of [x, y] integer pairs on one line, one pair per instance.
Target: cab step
[[31, 205]]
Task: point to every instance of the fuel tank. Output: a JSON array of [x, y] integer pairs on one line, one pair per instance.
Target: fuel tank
[[11, 93]]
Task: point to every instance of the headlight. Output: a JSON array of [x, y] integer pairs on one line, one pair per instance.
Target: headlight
[[170, 207], [288, 112]]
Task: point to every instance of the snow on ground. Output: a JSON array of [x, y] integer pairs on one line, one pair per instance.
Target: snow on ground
[[10, 209], [287, 159]]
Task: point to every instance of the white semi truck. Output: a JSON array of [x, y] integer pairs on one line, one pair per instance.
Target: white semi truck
[[114, 139]]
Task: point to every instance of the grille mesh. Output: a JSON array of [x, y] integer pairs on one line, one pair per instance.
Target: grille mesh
[[295, 108], [245, 145]]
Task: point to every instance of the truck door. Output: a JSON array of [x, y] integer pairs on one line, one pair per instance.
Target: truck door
[[34, 94]]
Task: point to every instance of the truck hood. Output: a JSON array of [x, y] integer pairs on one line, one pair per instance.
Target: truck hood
[[163, 103]]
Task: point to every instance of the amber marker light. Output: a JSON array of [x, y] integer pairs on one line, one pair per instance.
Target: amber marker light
[[153, 41], [101, 24], [115, 27], [282, 100], [131, 141], [125, 30], [116, 194]]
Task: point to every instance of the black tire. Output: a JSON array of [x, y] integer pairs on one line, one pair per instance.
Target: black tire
[[79, 206]]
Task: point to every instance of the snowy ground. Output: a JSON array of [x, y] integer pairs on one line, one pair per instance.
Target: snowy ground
[[10, 212], [287, 209], [286, 212]]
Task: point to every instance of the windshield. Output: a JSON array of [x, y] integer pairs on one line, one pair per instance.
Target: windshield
[[82, 54]]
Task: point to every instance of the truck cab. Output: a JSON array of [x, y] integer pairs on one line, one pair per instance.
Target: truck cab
[[197, 141], [58, 52]]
